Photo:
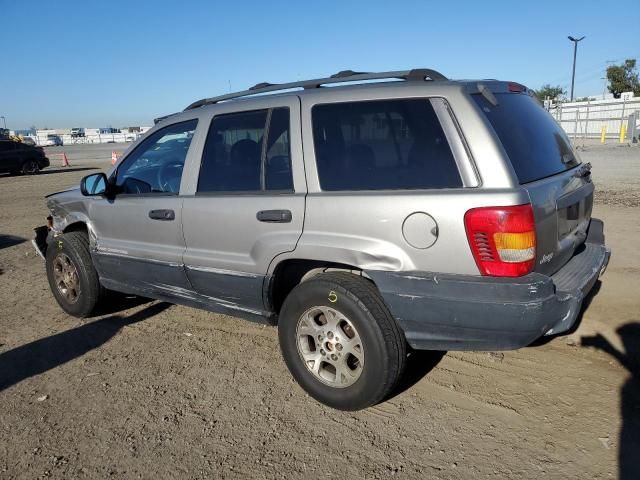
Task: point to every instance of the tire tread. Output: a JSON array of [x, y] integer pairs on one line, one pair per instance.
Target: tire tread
[[369, 296], [368, 300], [78, 241]]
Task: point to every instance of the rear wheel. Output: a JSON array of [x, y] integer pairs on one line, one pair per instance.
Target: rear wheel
[[71, 274], [30, 167], [340, 341]]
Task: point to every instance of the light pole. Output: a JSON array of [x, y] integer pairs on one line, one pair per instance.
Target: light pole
[[575, 51]]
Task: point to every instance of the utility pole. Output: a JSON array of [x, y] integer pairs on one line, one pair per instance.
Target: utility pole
[[575, 52]]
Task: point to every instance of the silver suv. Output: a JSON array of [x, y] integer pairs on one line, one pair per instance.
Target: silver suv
[[362, 219]]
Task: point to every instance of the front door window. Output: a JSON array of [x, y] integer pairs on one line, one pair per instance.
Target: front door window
[[155, 166]]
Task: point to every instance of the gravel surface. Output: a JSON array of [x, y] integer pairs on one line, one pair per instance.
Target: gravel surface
[[151, 390]]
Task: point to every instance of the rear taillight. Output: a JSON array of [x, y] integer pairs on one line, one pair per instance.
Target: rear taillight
[[502, 239]]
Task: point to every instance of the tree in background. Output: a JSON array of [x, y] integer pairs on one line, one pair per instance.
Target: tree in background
[[552, 93], [623, 78]]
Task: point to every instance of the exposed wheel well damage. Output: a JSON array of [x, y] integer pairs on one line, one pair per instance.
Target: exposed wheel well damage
[[81, 226], [290, 273], [76, 227]]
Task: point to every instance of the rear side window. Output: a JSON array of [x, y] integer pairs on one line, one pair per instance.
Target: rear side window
[[536, 145], [382, 144], [247, 152]]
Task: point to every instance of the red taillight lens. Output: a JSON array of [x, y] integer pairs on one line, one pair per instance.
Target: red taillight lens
[[516, 87], [502, 239]]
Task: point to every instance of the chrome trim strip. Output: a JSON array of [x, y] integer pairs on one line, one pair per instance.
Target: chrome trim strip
[[139, 259], [124, 255], [222, 271]]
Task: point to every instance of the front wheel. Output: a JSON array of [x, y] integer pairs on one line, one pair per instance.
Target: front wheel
[[71, 274], [30, 167], [340, 341]]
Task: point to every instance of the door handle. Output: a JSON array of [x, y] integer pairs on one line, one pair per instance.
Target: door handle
[[274, 216], [166, 215]]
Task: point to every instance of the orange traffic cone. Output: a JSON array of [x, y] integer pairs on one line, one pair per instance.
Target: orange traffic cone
[[114, 157], [65, 160]]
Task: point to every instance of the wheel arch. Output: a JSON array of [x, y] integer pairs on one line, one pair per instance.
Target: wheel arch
[[76, 226], [290, 272], [65, 220]]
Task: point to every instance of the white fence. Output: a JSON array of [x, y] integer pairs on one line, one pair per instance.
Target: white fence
[[91, 135], [586, 119], [101, 138]]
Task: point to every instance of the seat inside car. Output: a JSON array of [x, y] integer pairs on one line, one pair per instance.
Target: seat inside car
[[245, 164]]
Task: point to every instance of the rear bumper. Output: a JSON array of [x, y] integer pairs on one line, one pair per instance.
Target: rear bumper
[[464, 312]]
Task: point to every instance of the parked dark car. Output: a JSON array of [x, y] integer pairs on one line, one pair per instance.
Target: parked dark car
[[16, 157]]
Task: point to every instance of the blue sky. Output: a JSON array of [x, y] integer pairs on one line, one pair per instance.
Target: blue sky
[[120, 63]]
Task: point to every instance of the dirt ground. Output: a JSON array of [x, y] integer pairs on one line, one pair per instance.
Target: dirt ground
[[151, 390]]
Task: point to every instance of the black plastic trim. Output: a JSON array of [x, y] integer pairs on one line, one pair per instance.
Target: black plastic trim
[[469, 312]]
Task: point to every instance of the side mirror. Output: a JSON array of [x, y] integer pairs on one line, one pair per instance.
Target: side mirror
[[95, 184]]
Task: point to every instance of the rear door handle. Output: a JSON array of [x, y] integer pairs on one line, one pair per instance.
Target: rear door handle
[[274, 216], [166, 215]]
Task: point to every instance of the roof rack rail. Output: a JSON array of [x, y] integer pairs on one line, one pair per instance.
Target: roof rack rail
[[159, 119], [343, 76], [347, 73]]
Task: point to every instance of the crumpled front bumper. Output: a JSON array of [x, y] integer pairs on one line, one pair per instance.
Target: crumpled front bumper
[[464, 312]]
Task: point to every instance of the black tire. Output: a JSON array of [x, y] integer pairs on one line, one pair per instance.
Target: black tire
[[75, 247], [384, 344], [30, 167]]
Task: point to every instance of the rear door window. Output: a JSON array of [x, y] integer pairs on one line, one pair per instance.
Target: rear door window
[[383, 144], [277, 166], [247, 152], [536, 145]]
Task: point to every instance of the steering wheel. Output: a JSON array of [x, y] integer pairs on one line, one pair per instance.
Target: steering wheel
[[169, 175]]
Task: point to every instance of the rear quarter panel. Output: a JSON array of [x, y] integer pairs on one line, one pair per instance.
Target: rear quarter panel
[[364, 228]]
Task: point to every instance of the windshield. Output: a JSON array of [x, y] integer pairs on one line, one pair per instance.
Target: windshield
[[536, 145]]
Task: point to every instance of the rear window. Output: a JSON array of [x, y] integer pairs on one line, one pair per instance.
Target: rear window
[[536, 145], [382, 144]]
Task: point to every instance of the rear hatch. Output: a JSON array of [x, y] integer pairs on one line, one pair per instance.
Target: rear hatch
[[547, 166]]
